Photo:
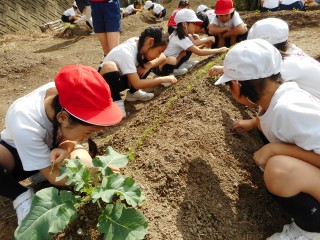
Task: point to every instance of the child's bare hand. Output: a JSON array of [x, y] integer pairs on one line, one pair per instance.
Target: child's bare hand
[[262, 156], [169, 79], [57, 155], [215, 70], [142, 71], [223, 49], [244, 125]]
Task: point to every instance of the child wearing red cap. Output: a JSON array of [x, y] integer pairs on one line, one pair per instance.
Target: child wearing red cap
[[128, 65], [227, 26], [45, 127]]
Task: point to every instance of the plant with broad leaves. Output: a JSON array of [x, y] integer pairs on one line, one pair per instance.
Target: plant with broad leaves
[[117, 197]]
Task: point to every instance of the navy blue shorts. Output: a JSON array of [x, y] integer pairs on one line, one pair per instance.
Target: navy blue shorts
[[18, 172], [106, 16]]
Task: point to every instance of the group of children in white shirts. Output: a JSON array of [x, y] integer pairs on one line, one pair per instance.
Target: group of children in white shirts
[[265, 71]]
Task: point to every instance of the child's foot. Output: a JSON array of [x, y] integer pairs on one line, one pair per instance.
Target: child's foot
[[293, 232], [159, 19], [22, 204], [139, 95], [179, 71]]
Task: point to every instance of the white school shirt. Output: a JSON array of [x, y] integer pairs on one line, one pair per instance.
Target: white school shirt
[[293, 116], [28, 129], [69, 12], [157, 8], [231, 24], [125, 56], [210, 13], [270, 4], [129, 9], [176, 45], [302, 69]]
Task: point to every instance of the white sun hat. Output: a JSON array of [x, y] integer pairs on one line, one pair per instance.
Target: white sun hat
[[250, 60], [202, 8], [187, 15], [148, 4], [273, 30]]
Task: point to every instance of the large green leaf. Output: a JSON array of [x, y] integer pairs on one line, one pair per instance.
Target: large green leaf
[[120, 223], [111, 159], [50, 213], [76, 172], [113, 184]]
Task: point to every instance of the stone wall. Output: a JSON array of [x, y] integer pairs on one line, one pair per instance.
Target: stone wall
[[19, 16]]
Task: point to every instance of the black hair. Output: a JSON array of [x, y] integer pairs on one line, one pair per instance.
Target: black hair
[[55, 143], [136, 3], [252, 89], [205, 21], [282, 47], [155, 32], [226, 14], [180, 31], [183, 3]]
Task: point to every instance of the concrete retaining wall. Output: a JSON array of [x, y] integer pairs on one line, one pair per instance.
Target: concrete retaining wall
[[18, 16]]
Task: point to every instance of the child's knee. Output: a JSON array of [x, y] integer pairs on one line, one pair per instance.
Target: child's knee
[[108, 67]]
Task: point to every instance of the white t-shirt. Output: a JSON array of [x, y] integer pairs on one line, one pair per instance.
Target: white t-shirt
[[157, 8], [129, 9], [28, 129], [270, 4], [125, 56], [69, 12], [231, 24], [176, 45], [293, 116], [302, 69], [210, 13]]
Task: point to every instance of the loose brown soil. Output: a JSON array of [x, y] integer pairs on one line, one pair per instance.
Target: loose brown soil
[[199, 179]]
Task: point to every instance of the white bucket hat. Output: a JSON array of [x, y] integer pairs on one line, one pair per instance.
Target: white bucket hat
[[148, 4], [273, 30], [75, 4], [202, 8], [187, 15], [249, 60]]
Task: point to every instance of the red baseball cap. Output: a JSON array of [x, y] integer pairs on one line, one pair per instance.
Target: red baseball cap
[[224, 7], [85, 94]]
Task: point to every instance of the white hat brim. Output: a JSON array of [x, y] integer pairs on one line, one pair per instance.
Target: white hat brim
[[223, 79]]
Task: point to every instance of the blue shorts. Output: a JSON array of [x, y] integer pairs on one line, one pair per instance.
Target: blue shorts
[[106, 16]]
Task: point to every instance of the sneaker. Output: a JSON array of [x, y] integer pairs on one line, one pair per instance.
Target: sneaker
[[37, 178], [193, 63], [179, 71], [185, 65], [293, 232], [139, 95], [166, 84], [159, 19], [81, 19], [22, 204], [120, 104]]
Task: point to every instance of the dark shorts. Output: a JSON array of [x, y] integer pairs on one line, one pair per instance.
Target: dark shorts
[[298, 5], [65, 18], [18, 172], [106, 16], [164, 12]]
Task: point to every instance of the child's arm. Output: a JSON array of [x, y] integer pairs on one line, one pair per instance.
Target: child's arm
[[215, 29], [238, 30], [207, 41], [244, 125], [215, 70], [138, 83], [262, 156], [151, 64], [204, 52]]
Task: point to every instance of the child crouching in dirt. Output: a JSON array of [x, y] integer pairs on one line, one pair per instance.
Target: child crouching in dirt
[[44, 127], [297, 66], [132, 9], [70, 15], [289, 118], [157, 10], [181, 47], [129, 64], [227, 27]]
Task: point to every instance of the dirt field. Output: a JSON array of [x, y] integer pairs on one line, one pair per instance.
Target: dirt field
[[199, 179]]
